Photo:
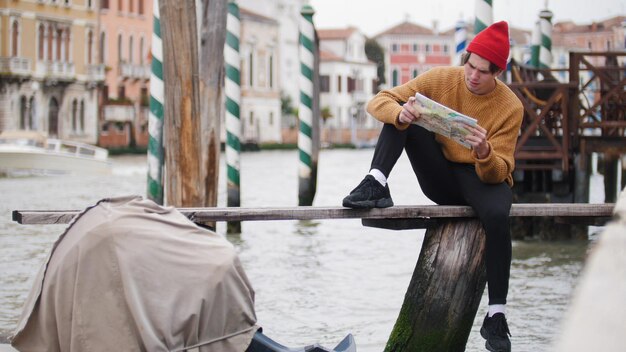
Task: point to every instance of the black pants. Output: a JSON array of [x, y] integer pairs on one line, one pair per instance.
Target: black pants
[[448, 183]]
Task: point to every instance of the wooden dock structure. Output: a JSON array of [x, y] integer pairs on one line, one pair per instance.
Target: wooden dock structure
[[449, 278], [397, 217]]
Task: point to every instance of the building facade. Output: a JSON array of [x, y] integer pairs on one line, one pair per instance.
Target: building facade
[[260, 79], [48, 68], [601, 36], [124, 39], [348, 81], [411, 49]]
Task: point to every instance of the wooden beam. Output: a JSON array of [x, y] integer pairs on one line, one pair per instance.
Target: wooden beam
[[563, 210]]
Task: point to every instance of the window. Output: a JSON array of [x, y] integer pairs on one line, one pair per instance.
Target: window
[[445, 48], [119, 48], [351, 84], [141, 51], [103, 40], [23, 113], [324, 84], [50, 46], [81, 116], [130, 50], [104, 4], [394, 48], [74, 116], [415, 48], [427, 48], [41, 38], [15, 39], [130, 6], [414, 72], [120, 5], [251, 71], [140, 7], [89, 47], [271, 119], [121, 92], [271, 69], [394, 78], [339, 84], [59, 40]]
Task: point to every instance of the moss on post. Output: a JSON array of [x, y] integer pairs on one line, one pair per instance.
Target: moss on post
[[445, 290]]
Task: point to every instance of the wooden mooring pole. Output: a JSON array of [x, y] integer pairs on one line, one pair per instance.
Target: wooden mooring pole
[[193, 47], [445, 290]]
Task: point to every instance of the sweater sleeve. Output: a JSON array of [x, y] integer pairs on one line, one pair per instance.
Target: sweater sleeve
[[387, 104], [500, 163]]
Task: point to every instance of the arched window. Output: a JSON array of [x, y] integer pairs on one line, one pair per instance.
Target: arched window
[[15, 39], [49, 56], [251, 68], [53, 118], [41, 39], [103, 40], [66, 46], [33, 113], [59, 40], [119, 48], [130, 49], [81, 116], [271, 71], [24, 123], [89, 47], [141, 51], [74, 116]]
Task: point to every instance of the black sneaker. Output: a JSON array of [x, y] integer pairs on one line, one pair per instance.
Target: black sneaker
[[369, 194], [496, 331]]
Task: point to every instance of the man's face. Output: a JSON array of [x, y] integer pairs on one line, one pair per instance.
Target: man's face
[[477, 76]]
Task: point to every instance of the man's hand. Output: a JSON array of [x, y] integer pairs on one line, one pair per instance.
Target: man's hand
[[478, 140], [410, 112]]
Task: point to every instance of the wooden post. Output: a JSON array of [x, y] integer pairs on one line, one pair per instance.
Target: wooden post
[[445, 290], [610, 177], [194, 78]]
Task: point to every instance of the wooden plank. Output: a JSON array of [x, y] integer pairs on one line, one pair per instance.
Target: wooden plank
[[40, 217]]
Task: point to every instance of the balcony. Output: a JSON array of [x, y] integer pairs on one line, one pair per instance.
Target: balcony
[[56, 70], [15, 66], [119, 113], [95, 72], [132, 71]]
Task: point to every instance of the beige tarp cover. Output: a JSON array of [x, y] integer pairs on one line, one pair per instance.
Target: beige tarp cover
[[129, 275]]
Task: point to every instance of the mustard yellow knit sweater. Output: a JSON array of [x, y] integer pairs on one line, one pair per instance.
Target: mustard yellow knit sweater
[[499, 112]]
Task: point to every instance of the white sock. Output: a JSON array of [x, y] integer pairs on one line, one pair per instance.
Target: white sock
[[379, 176], [496, 308]]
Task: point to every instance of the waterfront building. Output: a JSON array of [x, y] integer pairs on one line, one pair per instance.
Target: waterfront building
[[348, 80], [600, 36], [48, 68], [124, 40], [260, 78], [411, 49]]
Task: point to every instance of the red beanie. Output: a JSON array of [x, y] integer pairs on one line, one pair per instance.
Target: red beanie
[[492, 44]]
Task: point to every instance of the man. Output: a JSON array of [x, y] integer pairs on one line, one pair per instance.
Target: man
[[449, 173]]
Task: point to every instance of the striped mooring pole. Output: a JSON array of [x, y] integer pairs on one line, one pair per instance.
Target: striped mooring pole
[[460, 41], [233, 115], [307, 51], [484, 15], [545, 50], [155, 117], [535, 44]]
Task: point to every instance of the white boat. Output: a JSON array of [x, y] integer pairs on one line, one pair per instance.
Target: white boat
[[33, 152]]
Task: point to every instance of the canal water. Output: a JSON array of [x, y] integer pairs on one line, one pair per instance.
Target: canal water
[[315, 281]]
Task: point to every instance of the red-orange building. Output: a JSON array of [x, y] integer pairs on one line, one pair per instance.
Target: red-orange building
[[411, 49]]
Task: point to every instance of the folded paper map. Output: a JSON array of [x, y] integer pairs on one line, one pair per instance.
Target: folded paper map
[[443, 120]]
